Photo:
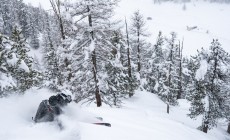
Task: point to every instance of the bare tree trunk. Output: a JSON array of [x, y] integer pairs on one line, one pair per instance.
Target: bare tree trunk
[[168, 108], [228, 130], [56, 8], [128, 55], [169, 85], [94, 60], [128, 51], [169, 78], [61, 28], [205, 127], [138, 53], [180, 72]]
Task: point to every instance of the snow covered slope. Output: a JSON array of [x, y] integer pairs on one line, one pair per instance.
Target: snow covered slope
[[212, 21], [142, 117]]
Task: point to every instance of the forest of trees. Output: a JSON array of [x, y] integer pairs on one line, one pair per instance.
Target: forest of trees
[[104, 61]]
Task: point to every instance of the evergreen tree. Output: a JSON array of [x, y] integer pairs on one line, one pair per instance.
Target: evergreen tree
[[209, 95], [22, 69], [23, 17], [162, 69], [93, 45], [154, 66], [225, 106], [138, 33], [119, 84], [33, 28], [50, 44], [7, 16], [132, 78], [7, 82], [180, 71], [169, 95]]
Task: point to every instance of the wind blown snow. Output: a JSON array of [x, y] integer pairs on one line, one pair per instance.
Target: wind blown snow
[[141, 117]]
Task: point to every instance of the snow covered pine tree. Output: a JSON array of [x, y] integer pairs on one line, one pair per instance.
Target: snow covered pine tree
[[208, 92], [90, 47]]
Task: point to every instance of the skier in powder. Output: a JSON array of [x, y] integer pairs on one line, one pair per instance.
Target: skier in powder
[[49, 109]]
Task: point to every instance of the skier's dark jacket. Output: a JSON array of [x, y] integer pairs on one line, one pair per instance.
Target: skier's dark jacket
[[48, 109]]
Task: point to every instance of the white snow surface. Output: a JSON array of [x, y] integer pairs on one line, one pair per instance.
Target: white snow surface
[[142, 117], [201, 72], [24, 66], [6, 81], [13, 61], [212, 21]]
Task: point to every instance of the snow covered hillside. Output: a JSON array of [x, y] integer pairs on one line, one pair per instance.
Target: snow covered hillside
[[211, 20], [142, 117]]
